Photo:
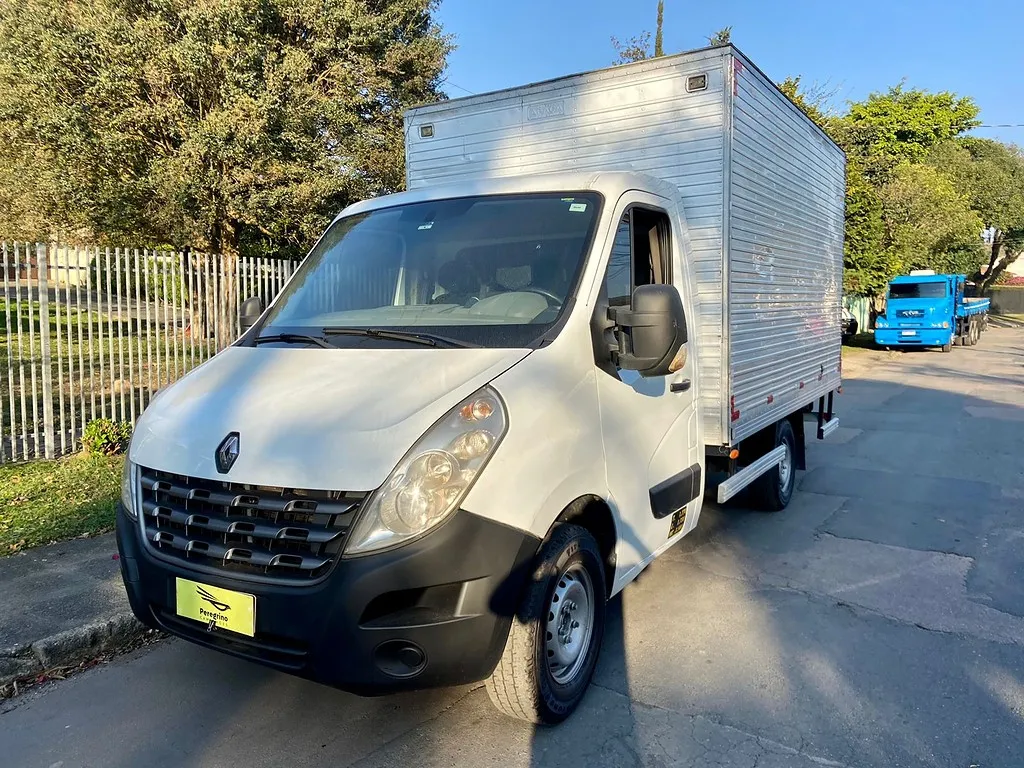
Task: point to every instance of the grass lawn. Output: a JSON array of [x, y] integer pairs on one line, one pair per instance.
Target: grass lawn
[[45, 501]]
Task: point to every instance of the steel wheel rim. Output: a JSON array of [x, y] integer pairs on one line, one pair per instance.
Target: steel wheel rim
[[785, 467], [570, 624]]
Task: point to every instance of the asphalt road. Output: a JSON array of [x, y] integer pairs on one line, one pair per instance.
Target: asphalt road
[[879, 621]]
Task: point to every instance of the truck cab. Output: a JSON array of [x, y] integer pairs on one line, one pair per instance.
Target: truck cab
[[459, 386], [919, 311], [924, 309]]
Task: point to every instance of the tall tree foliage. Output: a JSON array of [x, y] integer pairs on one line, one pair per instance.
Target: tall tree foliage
[[919, 191], [929, 223], [659, 32], [636, 48], [903, 125], [992, 176], [721, 37], [229, 125]]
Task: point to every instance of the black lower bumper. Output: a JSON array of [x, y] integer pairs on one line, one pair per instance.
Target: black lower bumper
[[434, 612]]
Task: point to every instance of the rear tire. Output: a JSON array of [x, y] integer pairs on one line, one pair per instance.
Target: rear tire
[[947, 347], [555, 639], [774, 489]]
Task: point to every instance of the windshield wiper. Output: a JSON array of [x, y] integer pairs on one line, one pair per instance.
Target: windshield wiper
[[294, 338], [426, 339]]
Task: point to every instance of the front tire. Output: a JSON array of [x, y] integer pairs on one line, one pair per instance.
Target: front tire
[[774, 489], [555, 639], [947, 347]]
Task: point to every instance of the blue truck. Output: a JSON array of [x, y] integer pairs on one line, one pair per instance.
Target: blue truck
[[924, 309]]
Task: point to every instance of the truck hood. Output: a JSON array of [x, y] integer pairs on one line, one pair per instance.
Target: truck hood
[[313, 419]]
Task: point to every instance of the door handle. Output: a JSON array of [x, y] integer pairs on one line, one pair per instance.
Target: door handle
[[680, 386]]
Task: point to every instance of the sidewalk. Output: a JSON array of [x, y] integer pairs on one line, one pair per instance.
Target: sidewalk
[[60, 605]]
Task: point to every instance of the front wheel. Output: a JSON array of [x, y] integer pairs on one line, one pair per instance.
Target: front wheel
[[948, 347], [556, 636]]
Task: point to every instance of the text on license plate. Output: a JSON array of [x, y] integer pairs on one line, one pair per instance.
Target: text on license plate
[[225, 608], [908, 333]]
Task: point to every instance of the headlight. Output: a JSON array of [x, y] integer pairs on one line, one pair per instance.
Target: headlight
[[880, 322], [433, 478], [945, 323], [130, 488]]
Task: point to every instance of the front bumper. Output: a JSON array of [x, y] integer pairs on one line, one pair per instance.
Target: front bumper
[[434, 612], [913, 337]]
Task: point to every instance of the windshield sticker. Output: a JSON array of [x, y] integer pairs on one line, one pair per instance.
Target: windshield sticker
[[568, 199], [428, 225], [578, 207]]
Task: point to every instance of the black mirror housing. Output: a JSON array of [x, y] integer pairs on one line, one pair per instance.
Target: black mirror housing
[[250, 312], [651, 331]]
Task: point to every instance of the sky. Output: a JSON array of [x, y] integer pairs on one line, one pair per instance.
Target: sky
[[970, 47]]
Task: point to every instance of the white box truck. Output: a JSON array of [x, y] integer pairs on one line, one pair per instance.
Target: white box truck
[[483, 406]]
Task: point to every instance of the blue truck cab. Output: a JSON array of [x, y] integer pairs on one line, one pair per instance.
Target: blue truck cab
[[925, 309]]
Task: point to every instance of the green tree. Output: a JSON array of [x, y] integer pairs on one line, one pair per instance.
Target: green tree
[[904, 124], [232, 126], [636, 48], [659, 36], [813, 101], [868, 267], [721, 37], [929, 224], [991, 175]]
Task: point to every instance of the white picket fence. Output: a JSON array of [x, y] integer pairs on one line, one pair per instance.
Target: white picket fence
[[95, 332]]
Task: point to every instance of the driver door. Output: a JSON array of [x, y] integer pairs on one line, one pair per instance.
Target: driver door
[[649, 424]]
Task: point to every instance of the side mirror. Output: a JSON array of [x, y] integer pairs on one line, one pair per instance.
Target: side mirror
[[250, 312], [650, 331]]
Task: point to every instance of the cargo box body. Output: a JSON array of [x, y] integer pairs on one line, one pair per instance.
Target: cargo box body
[[763, 190]]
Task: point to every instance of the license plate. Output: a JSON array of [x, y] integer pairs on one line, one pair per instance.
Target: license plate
[[908, 333], [216, 607]]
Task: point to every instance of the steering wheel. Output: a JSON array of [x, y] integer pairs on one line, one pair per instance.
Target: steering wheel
[[552, 298]]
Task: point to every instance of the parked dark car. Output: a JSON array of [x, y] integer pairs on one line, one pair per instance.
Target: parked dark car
[[848, 325]]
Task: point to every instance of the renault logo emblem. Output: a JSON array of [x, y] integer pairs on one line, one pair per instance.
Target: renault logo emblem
[[227, 452]]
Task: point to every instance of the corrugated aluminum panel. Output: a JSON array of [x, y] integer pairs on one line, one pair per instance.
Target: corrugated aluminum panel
[[786, 187], [637, 117]]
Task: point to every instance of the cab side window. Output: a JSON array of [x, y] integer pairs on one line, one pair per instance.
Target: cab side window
[[641, 254]]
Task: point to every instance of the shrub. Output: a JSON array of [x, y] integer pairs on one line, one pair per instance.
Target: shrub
[[107, 437]]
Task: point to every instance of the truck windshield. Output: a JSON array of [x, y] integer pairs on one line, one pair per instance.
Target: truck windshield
[[493, 271], [931, 290]]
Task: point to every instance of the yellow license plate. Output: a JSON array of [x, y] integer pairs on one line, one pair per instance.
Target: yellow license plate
[[223, 608]]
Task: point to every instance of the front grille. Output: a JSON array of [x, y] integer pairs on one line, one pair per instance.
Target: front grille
[[252, 531]]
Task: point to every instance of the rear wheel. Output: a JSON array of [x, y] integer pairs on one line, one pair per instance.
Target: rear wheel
[[774, 488], [555, 638]]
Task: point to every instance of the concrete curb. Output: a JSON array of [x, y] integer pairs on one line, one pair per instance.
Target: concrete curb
[[69, 647], [1004, 322]]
